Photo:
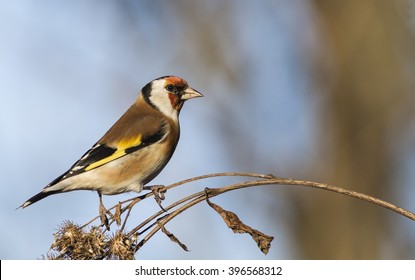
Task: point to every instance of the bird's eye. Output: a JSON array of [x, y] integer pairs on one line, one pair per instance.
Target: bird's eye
[[170, 88]]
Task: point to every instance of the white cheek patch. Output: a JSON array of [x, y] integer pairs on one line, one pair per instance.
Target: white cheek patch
[[160, 98]]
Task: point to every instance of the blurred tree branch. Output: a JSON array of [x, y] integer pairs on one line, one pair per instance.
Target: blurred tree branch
[[76, 242], [365, 73]]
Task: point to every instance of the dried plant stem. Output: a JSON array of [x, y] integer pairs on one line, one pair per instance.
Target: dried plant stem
[[198, 197], [164, 220], [137, 199], [201, 196], [127, 243], [361, 196]]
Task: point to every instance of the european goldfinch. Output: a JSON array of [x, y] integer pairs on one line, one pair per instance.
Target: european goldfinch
[[135, 149]]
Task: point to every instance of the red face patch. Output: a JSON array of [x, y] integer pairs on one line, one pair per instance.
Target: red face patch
[[177, 81], [175, 101], [174, 97]]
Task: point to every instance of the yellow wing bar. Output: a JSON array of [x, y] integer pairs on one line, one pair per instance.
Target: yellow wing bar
[[119, 152]]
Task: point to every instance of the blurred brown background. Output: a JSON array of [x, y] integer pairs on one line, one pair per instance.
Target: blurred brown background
[[366, 113]]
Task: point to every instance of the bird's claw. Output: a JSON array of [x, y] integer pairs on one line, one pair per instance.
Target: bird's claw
[[159, 194]]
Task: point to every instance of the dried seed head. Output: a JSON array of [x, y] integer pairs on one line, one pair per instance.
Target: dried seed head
[[120, 247]]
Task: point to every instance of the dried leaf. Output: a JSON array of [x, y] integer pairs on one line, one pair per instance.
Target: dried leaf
[[172, 237], [117, 214], [233, 222]]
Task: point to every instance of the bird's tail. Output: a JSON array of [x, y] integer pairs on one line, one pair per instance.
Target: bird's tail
[[36, 198]]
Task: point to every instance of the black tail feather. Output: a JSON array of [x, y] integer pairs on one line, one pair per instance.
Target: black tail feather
[[36, 198]]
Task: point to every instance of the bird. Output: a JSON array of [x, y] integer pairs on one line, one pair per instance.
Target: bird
[[135, 149]]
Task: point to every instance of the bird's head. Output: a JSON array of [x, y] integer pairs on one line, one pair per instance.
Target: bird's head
[[168, 94]]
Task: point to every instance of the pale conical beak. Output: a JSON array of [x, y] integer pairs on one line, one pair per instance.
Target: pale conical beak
[[190, 93]]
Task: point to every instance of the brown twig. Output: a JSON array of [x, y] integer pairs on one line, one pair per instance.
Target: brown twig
[[201, 196], [174, 185], [267, 180], [158, 220]]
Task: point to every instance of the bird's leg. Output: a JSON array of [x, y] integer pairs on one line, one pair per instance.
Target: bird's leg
[[158, 193], [103, 213]]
